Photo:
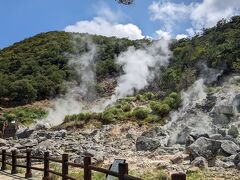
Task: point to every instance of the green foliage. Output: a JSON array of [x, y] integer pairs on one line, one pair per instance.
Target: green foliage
[[78, 117], [36, 68], [126, 107], [23, 115], [161, 109], [141, 113], [112, 115]]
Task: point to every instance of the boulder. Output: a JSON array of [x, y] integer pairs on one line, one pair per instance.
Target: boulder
[[200, 162], [147, 144], [233, 131], [24, 133], [204, 147], [229, 147]]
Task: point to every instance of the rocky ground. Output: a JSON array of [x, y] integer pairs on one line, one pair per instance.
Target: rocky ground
[[202, 135]]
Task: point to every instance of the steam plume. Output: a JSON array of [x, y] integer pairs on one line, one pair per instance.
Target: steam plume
[[82, 88]]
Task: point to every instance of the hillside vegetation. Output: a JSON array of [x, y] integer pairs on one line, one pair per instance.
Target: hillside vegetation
[[36, 69]]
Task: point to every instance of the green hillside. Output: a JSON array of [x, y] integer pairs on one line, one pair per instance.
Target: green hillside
[[35, 68]]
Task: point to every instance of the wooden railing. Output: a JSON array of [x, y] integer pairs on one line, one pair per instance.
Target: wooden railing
[[87, 167]]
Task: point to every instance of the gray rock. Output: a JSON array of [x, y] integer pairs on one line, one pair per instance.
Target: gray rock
[[216, 137], [196, 135], [155, 132], [205, 147], [229, 147], [38, 151], [225, 109], [222, 132], [233, 131], [79, 160], [24, 133], [200, 162], [182, 136], [189, 141], [3, 142], [62, 133], [223, 164], [221, 119], [236, 159], [178, 158], [147, 144], [229, 158]]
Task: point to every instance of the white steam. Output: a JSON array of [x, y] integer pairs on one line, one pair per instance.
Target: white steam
[[139, 66], [82, 89]]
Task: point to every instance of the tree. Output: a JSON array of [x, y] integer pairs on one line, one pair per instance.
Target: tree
[[22, 91]]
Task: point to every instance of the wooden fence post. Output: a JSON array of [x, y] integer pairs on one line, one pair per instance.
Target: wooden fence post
[[87, 171], [14, 162], [4, 167], [178, 176], [123, 170], [64, 166], [28, 173], [46, 166]]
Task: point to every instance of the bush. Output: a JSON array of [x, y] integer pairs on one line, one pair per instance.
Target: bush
[[126, 107], [151, 118], [161, 109], [141, 113], [78, 117], [169, 101], [148, 96]]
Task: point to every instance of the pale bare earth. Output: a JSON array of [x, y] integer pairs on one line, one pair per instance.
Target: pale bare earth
[[6, 175]]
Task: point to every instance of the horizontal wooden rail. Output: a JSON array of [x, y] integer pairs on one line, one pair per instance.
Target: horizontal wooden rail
[[75, 165], [37, 168], [87, 166], [55, 160]]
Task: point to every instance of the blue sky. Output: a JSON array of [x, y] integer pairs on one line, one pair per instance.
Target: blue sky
[[21, 19]]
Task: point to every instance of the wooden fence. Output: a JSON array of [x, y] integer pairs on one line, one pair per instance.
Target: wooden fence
[[87, 166]]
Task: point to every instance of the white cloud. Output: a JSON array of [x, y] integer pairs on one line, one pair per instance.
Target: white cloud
[[181, 36], [163, 34], [209, 12], [169, 13], [201, 15], [190, 32], [106, 24]]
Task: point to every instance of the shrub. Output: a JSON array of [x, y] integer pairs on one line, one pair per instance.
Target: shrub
[[141, 113], [161, 108], [151, 118], [148, 96], [169, 101], [126, 107]]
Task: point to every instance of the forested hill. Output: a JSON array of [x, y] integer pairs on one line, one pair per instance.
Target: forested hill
[[35, 68]]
